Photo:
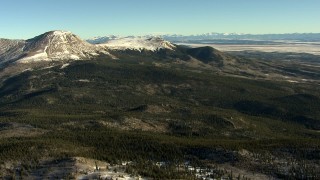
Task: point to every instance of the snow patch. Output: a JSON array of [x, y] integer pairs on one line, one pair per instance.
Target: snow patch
[[64, 65], [29, 69], [292, 81], [61, 33], [84, 80], [49, 67], [36, 57], [75, 57]]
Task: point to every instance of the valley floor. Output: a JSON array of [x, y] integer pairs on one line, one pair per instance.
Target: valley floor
[[283, 47]]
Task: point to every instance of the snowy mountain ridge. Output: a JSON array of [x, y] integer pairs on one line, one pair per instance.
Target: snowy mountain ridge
[[101, 39], [138, 43]]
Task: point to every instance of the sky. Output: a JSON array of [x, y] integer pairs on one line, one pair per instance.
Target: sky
[[23, 19]]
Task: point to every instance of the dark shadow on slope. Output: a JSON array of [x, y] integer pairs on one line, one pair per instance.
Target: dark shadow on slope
[[257, 108], [207, 55]]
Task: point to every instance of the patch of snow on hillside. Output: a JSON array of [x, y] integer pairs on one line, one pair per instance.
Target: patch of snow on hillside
[[64, 65], [28, 69], [61, 33], [48, 67], [43, 56], [74, 57]]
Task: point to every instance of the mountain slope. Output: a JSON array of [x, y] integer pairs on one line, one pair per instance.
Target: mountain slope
[[208, 55], [10, 50]]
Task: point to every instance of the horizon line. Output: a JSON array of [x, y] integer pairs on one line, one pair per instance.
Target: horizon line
[[167, 33]]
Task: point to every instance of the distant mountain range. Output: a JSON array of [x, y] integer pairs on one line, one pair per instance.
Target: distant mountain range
[[225, 36], [234, 36]]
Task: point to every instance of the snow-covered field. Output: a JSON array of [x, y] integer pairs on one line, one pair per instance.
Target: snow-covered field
[[285, 46]]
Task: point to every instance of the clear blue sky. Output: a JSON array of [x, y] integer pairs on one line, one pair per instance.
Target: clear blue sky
[[88, 18]]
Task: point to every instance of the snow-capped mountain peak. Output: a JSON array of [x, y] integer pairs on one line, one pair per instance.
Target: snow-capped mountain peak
[[50, 46], [57, 45]]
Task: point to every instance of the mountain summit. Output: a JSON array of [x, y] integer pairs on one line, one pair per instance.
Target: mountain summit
[[50, 46], [57, 45]]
